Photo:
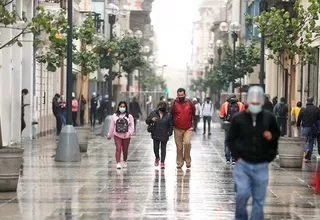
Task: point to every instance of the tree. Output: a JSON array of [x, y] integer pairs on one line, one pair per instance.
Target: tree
[[129, 55], [42, 21], [54, 54], [292, 36], [246, 58], [149, 81]]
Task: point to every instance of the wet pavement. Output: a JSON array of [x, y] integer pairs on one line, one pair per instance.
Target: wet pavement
[[94, 189]]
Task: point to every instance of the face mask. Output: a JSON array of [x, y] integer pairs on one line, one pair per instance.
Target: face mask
[[122, 110], [181, 99], [255, 109], [162, 109]]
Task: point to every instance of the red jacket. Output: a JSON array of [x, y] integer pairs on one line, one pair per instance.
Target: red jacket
[[183, 114]]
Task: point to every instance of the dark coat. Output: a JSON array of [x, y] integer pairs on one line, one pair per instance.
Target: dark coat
[[163, 127], [134, 109], [308, 116], [268, 105], [247, 142]]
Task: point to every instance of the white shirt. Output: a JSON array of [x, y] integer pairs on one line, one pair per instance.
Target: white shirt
[[207, 109], [198, 109]]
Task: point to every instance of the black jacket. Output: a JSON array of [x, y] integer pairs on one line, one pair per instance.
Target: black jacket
[[247, 142], [56, 108], [308, 116], [268, 106], [163, 127], [134, 109]]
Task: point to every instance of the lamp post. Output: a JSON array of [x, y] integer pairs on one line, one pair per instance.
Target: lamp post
[[234, 28], [263, 7], [68, 146], [219, 45], [112, 11]]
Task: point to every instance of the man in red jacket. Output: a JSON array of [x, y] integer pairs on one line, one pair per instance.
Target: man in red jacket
[[183, 114]]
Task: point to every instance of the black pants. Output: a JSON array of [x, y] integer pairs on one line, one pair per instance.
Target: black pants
[[135, 124], [23, 123], [156, 147], [82, 117], [93, 117], [74, 118], [58, 123], [195, 123], [205, 120]]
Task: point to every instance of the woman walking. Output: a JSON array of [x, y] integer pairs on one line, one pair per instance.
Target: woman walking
[[121, 127], [161, 127]]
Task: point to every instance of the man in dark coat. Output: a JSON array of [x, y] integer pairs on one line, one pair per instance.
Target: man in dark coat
[[135, 111]]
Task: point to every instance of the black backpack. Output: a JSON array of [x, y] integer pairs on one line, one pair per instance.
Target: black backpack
[[232, 109], [122, 125], [283, 110]]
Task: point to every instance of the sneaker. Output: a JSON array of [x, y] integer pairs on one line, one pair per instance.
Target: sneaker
[[124, 164], [189, 166], [162, 166], [209, 134], [178, 167], [156, 162], [119, 166], [228, 161], [233, 163]]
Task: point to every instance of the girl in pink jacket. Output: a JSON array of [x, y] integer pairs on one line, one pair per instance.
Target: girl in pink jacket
[[121, 127]]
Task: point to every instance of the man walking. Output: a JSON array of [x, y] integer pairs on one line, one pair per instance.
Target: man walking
[[94, 105], [135, 111], [281, 110], [207, 111], [227, 111], [253, 141], [183, 113], [197, 114], [308, 118], [24, 92]]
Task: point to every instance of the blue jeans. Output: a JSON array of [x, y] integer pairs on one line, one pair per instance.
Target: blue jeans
[[227, 152], [282, 123], [63, 118], [305, 132], [250, 180]]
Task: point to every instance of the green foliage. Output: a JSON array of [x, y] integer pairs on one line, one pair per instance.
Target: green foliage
[[149, 81], [107, 51], [292, 34], [86, 58], [129, 54]]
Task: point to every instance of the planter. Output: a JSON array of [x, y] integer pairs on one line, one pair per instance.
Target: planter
[[291, 151], [10, 162], [83, 134]]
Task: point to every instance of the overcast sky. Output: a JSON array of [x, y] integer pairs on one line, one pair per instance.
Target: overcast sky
[[172, 20]]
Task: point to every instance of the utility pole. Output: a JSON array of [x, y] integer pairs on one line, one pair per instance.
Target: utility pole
[[68, 146]]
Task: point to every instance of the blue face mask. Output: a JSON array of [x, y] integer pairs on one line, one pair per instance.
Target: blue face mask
[[122, 110], [255, 109]]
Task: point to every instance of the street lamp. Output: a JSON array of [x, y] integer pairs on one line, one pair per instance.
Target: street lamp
[[112, 11], [219, 45], [68, 146], [234, 28]]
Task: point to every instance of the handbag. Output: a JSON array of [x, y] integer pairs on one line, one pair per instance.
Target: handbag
[[150, 128]]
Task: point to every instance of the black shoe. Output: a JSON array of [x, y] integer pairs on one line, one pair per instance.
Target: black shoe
[[209, 134], [308, 155], [204, 133]]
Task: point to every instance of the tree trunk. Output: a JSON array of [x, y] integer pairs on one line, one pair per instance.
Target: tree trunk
[[290, 83]]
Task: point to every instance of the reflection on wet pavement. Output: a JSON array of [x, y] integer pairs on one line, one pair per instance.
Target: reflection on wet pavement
[[94, 189]]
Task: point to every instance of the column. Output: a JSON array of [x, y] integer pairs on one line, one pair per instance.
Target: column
[[27, 72], [5, 85], [16, 82]]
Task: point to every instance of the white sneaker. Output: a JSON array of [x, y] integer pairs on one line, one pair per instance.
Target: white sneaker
[[119, 166], [124, 164]]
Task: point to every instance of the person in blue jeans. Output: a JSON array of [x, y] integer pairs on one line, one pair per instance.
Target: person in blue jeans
[[308, 118], [253, 141]]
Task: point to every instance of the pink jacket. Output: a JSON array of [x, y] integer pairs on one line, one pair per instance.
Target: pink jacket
[[74, 105], [112, 128]]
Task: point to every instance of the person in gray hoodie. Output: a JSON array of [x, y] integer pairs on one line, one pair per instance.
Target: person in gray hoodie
[[281, 110]]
